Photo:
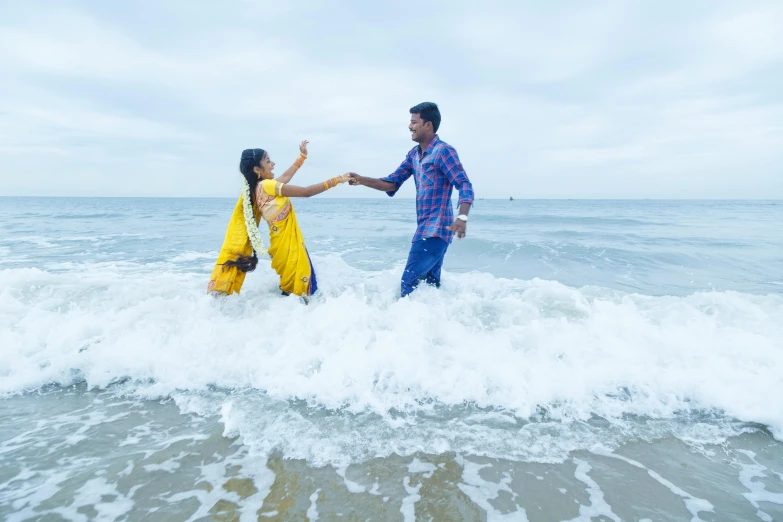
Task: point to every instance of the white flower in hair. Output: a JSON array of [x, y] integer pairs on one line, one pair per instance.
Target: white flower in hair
[[250, 222]]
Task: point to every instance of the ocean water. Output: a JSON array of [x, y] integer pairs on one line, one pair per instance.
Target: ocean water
[[583, 360]]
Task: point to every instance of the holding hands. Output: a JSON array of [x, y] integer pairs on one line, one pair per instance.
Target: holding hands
[[348, 177]]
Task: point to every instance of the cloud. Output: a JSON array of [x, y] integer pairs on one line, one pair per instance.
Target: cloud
[[541, 100]]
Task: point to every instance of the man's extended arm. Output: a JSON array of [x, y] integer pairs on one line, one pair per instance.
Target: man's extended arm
[[376, 183], [389, 184]]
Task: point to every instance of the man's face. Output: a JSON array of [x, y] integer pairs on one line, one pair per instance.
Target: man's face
[[418, 128]]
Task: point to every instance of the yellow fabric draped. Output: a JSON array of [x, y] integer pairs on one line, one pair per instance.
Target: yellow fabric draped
[[287, 247], [228, 280]]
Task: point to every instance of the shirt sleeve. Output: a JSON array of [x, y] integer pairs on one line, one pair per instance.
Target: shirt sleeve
[[399, 176], [451, 166]]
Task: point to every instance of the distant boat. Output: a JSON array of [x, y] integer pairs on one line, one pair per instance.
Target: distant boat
[[511, 199]]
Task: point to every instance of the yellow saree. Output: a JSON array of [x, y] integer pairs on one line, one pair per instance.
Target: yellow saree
[[287, 249], [228, 279], [286, 243]]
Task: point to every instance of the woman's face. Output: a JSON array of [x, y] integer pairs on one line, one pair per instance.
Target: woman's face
[[265, 167]]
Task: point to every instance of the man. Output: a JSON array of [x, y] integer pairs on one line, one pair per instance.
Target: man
[[436, 169]]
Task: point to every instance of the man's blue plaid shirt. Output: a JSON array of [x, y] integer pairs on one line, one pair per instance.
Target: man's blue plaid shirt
[[436, 172]]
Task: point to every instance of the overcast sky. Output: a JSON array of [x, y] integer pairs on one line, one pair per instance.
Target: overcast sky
[[567, 99]]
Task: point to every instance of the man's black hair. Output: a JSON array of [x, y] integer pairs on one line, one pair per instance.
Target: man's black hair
[[428, 111]]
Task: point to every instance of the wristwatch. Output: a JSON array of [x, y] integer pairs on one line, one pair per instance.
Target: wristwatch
[[463, 217]]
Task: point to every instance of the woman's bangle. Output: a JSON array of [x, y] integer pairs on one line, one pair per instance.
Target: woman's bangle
[[331, 183]]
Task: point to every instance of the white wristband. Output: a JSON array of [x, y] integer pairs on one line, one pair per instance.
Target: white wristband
[[463, 217]]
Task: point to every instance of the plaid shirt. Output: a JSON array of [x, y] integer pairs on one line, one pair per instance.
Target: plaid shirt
[[435, 172]]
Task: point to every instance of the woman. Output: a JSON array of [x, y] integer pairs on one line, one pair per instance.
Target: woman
[[267, 197]]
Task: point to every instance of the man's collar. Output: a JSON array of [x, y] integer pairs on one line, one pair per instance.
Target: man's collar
[[435, 139]]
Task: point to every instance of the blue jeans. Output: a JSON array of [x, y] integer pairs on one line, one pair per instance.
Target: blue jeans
[[424, 263]]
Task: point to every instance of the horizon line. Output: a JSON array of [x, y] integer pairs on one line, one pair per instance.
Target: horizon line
[[413, 198]]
